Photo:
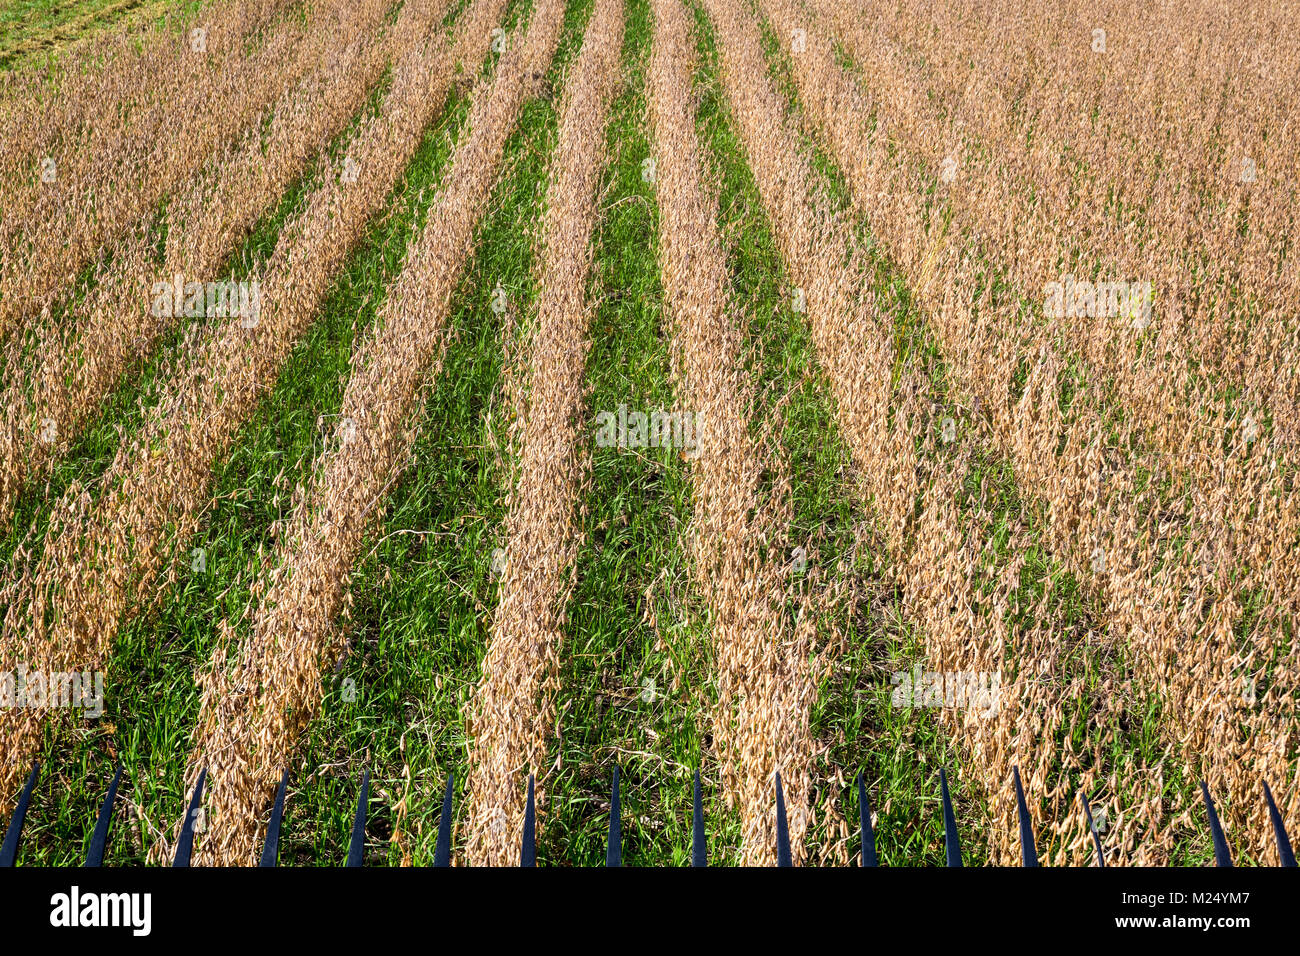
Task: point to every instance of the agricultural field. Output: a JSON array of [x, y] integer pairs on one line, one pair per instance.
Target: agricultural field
[[39, 31], [500, 398]]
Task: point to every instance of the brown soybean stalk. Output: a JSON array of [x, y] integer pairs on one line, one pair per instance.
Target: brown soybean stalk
[[1169, 380], [513, 710], [101, 556], [833, 103], [99, 188], [1175, 382], [1146, 560], [763, 660], [948, 582], [852, 338], [1182, 122], [98, 84], [949, 587], [1155, 377], [52, 393], [251, 712]]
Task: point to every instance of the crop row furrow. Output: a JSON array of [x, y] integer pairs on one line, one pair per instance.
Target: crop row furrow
[[103, 554], [253, 710], [513, 714]]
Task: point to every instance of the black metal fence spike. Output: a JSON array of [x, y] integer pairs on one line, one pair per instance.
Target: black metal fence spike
[[9, 851], [951, 845], [1096, 838], [1028, 855], [271, 848], [99, 839], [614, 850], [699, 846], [782, 828], [357, 845], [1285, 856], [864, 820], [528, 845], [1221, 855], [442, 852], [614, 853], [185, 845]]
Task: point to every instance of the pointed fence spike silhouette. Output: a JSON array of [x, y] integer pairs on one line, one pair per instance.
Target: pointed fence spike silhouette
[[864, 824], [1285, 856], [699, 845], [951, 845], [1092, 827], [1221, 855], [99, 839], [271, 848], [782, 828], [357, 845], [614, 850], [528, 845], [185, 844], [442, 852], [1028, 855], [9, 851]]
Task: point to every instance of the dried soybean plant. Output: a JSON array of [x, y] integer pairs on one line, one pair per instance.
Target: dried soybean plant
[[834, 104], [86, 96], [88, 193], [937, 570], [1165, 373], [103, 555], [253, 709], [763, 657], [51, 394], [1100, 517], [1181, 118], [512, 714]]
